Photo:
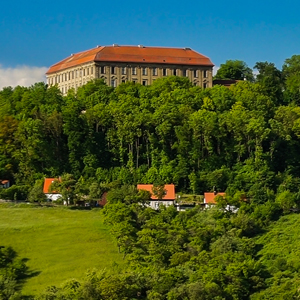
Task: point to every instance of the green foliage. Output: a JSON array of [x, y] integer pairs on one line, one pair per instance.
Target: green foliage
[[12, 271], [15, 192], [66, 186], [243, 140], [234, 69], [36, 194]]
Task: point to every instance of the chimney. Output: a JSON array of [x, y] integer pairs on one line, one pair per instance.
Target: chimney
[[215, 192]]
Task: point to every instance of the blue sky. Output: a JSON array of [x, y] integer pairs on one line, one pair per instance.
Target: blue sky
[[36, 34]]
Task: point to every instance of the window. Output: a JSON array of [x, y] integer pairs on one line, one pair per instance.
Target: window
[[134, 71], [195, 73], [123, 80], [204, 85], [88, 71], [62, 89], [92, 70], [174, 72], [72, 74], [164, 72], [113, 83], [134, 80], [184, 73], [123, 70], [112, 70], [154, 71], [102, 70], [205, 73], [144, 71], [144, 82], [66, 76], [83, 72]]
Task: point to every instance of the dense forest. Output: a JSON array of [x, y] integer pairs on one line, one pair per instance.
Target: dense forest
[[243, 140]]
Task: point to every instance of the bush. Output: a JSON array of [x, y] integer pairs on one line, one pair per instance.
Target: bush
[[15, 192]]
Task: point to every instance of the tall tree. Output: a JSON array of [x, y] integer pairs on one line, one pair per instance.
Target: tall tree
[[270, 77], [291, 73], [236, 70]]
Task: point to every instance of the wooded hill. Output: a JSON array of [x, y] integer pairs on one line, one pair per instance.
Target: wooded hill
[[243, 140]]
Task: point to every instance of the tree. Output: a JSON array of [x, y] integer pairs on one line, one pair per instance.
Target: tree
[[36, 193], [65, 185], [270, 77], [236, 70], [12, 271], [158, 190], [291, 74]]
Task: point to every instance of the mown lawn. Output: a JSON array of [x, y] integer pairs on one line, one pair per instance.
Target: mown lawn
[[59, 243]]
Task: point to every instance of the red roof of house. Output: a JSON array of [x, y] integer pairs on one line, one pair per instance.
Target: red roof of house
[[209, 198], [4, 181], [47, 184], [169, 188], [134, 54]]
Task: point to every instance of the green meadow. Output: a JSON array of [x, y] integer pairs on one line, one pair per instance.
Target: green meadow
[[59, 243]]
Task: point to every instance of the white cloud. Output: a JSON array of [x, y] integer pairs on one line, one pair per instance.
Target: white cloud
[[215, 70], [21, 75]]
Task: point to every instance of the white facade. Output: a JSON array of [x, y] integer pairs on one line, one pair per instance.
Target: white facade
[[53, 197], [156, 203]]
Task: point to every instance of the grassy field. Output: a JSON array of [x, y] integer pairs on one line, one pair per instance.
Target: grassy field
[[59, 243]]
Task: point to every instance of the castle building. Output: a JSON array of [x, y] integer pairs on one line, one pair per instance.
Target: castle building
[[117, 64]]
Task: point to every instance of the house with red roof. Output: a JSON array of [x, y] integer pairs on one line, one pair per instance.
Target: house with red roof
[[51, 195], [167, 198], [118, 64], [210, 198]]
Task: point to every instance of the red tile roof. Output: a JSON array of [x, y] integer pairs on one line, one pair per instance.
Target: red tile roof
[[47, 184], [209, 198], [134, 54], [169, 188]]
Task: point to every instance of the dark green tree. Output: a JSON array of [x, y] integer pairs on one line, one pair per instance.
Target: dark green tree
[[236, 70]]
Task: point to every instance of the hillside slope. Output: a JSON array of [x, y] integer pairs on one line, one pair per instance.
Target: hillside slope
[[59, 243]]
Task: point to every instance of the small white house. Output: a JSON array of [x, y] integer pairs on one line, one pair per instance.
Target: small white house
[[51, 196], [168, 198]]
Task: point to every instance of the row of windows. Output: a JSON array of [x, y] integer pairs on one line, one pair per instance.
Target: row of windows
[[87, 71], [71, 75], [76, 73], [154, 70]]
